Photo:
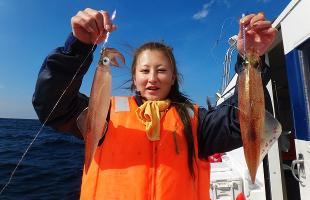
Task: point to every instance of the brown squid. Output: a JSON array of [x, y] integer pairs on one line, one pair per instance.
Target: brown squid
[[259, 129], [251, 113], [92, 121]]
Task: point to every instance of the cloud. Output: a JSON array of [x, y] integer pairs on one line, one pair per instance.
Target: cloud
[[204, 12]]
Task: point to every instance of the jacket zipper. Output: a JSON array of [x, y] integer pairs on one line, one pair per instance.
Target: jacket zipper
[[153, 171]]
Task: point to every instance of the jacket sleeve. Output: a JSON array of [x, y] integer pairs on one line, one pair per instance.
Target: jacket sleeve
[[219, 127], [54, 108]]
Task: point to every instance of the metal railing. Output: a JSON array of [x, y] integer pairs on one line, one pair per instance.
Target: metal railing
[[227, 62]]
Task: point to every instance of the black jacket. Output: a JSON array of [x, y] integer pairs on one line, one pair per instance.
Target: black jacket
[[218, 128]]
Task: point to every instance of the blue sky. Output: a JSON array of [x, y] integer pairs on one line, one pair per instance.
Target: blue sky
[[197, 30]]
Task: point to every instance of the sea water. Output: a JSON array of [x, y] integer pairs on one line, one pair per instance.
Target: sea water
[[52, 168]]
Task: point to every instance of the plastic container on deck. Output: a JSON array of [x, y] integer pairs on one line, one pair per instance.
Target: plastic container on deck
[[225, 184]]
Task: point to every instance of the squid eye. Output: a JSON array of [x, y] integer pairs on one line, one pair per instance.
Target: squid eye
[[105, 61]]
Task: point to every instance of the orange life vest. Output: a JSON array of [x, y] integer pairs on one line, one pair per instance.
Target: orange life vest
[[128, 166]]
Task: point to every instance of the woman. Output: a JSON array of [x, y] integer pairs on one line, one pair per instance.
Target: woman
[[162, 159]]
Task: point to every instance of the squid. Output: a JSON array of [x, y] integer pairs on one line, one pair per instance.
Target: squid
[[92, 121], [259, 129]]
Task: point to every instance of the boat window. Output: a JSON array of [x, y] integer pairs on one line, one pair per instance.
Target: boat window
[[305, 68]]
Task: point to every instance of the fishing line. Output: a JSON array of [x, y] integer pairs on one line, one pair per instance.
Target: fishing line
[[220, 38], [222, 30], [216, 44], [244, 29], [243, 38], [56, 104], [108, 33], [48, 117]]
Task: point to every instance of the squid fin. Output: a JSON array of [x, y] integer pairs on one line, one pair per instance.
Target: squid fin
[[82, 122], [271, 132]]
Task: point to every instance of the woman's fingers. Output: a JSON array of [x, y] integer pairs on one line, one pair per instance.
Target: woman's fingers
[[85, 21], [259, 34], [91, 26], [106, 23], [258, 17], [261, 25], [95, 20], [245, 21], [254, 21]]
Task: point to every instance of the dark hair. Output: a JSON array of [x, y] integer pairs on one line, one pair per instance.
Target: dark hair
[[181, 102]]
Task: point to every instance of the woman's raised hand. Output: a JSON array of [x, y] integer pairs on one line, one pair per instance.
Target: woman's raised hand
[[259, 34], [91, 26]]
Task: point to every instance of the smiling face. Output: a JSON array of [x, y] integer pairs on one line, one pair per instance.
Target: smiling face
[[153, 75]]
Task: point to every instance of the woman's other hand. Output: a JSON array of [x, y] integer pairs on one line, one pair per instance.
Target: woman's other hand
[[259, 34]]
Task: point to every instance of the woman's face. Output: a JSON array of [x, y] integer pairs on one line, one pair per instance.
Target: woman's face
[[153, 76]]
